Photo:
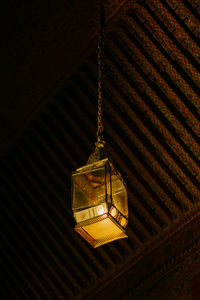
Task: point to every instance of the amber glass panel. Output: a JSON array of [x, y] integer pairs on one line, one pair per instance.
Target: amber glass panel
[[104, 229], [119, 194], [88, 184], [103, 232], [89, 189], [108, 189]]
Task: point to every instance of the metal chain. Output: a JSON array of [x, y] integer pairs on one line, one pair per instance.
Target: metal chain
[[100, 52]]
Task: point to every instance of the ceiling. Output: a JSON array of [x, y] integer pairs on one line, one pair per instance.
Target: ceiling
[[49, 107]]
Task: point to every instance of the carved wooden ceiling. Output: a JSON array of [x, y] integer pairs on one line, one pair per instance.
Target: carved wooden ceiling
[[152, 129]]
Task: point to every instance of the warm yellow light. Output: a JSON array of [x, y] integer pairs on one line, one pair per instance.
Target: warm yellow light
[[113, 212], [104, 229], [101, 232], [100, 210], [123, 222], [99, 203]]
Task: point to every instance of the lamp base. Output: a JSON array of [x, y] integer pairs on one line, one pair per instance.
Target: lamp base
[[102, 232]]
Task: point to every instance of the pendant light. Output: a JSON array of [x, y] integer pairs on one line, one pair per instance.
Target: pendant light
[[99, 195]]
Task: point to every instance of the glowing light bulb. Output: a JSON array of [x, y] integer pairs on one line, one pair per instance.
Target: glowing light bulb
[[100, 209]]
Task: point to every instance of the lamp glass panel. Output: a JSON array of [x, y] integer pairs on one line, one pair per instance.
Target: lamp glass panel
[[89, 186], [119, 195], [103, 230]]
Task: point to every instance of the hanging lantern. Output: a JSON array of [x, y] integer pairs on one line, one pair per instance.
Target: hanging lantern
[[99, 196], [99, 201]]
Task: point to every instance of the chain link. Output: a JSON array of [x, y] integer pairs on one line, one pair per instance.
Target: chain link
[[100, 52]]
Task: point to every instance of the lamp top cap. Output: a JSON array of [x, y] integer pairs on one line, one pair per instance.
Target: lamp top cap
[[99, 152]]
